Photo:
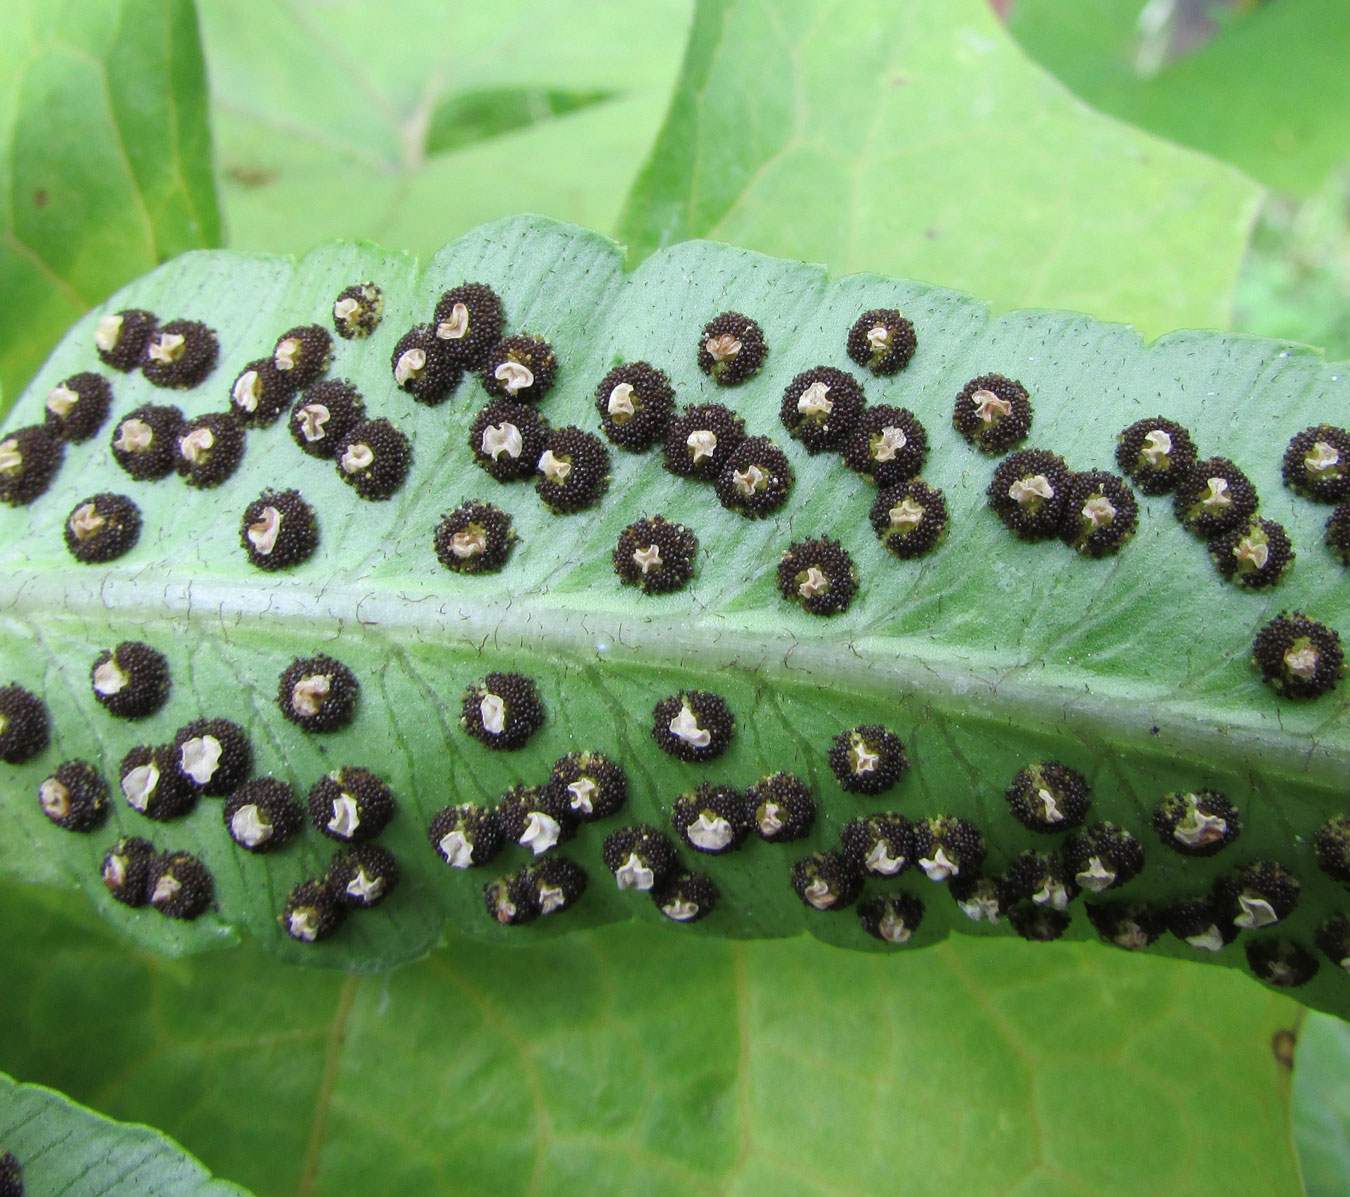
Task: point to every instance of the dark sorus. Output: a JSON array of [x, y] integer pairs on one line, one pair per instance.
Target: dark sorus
[[511, 901], [502, 711], [1102, 856], [362, 876], [818, 575], [980, 899], [153, 785], [23, 724], [780, 808], [1155, 454], [711, 818], [1255, 555], [756, 480], [77, 406], [131, 681], [350, 804], [29, 459], [357, 311], [102, 527], [1317, 464], [506, 439], [535, 817], [1129, 925], [879, 845], [557, 883], [1257, 895], [1042, 878], [639, 856], [465, 836], [910, 519], [1298, 657], [892, 918], [1028, 492], [731, 349], [214, 755], [888, 445], [1197, 822], [179, 354], [144, 442], [573, 470], [521, 367], [207, 449], [993, 413], [867, 759], [595, 786], [693, 725], [260, 393], [311, 912], [475, 538], [324, 414], [635, 402], [74, 797], [262, 815], [121, 336], [317, 694], [126, 868], [1338, 533], [821, 407], [1049, 796], [179, 885], [701, 441], [1214, 497], [422, 366], [686, 897], [655, 555], [826, 881], [1100, 513], [1198, 922], [302, 354], [947, 846], [1333, 939], [1332, 848], [468, 322], [882, 341], [278, 530], [373, 459], [1281, 962], [1038, 924]]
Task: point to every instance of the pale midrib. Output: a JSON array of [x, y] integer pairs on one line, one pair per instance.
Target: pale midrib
[[1123, 713]]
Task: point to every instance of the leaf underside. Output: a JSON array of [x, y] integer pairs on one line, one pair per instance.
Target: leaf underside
[[63, 1147], [987, 655]]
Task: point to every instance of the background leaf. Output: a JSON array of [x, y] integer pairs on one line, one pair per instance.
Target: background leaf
[[64, 1148], [939, 153], [1321, 1099], [1234, 96], [106, 167], [619, 1061], [410, 123]]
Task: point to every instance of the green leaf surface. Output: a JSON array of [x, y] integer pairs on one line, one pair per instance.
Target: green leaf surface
[[1321, 1105], [106, 166], [64, 1148], [411, 121], [915, 139], [621, 1060], [989, 654], [1268, 93]]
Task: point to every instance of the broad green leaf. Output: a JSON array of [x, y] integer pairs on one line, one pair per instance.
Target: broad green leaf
[[411, 121], [105, 170], [1268, 92], [936, 152], [988, 655], [1321, 1105], [621, 1061], [64, 1148]]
